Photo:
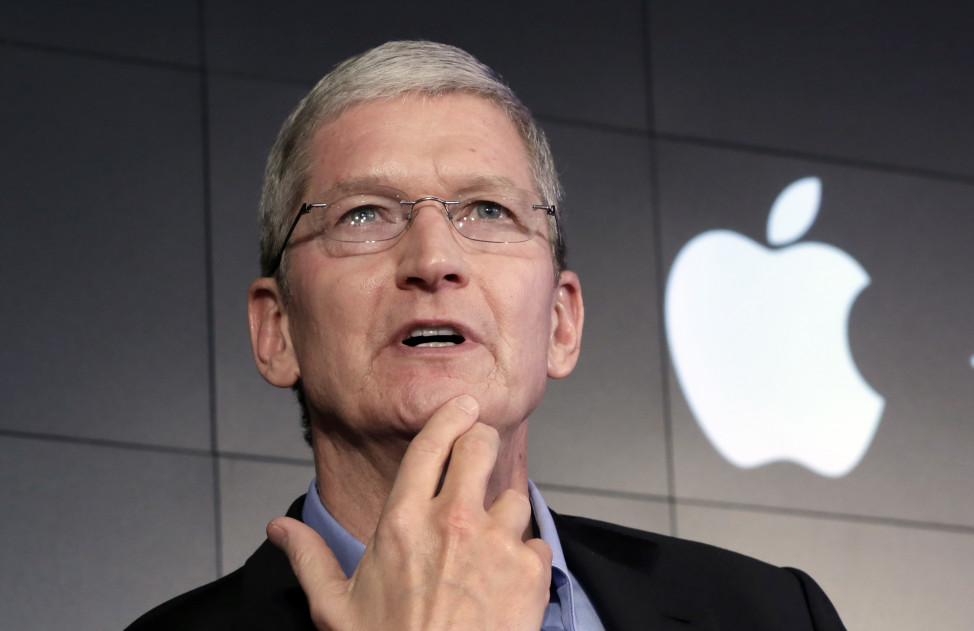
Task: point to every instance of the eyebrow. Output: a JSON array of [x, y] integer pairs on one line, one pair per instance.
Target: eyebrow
[[476, 182], [488, 181]]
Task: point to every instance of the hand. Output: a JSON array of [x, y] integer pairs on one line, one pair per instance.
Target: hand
[[437, 560]]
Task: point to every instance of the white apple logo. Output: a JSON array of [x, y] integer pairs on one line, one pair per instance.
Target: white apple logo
[[760, 345]]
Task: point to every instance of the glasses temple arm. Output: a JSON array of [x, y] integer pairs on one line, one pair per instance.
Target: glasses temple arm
[[287, 237]]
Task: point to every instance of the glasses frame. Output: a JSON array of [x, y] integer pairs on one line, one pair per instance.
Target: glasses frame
[[550, 210]]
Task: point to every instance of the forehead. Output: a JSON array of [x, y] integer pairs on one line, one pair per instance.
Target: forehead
[[436, 144]]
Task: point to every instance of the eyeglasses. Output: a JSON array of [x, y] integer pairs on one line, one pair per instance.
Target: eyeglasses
[[382, 214]]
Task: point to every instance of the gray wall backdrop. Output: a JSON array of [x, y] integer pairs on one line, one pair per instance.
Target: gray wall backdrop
[[141, 454]]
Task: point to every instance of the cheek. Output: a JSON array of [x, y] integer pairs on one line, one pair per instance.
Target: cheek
[[336, 311], [525, 318]]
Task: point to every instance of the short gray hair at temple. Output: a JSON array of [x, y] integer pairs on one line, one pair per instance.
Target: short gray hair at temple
[[392, 70]]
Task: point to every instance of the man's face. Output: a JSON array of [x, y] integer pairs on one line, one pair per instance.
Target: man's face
[[353, 307]]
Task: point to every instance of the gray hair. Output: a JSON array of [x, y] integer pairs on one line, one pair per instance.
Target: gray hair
[[392, 70]]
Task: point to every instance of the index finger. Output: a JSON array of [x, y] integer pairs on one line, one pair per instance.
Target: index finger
[[422, 465]]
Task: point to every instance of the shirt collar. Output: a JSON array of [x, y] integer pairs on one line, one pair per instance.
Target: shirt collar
[[349, 550], [346, 548], [548, 534]]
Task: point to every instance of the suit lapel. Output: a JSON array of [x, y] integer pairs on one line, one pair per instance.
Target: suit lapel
[[615, 566], [271, 592]]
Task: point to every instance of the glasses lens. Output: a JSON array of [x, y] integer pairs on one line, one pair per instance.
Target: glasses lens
[[361, 217], [498, 217]]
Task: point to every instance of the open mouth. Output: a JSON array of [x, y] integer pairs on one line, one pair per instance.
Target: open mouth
[[424, 337]]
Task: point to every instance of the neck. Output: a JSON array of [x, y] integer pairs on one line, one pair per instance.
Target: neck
[[355, 480]]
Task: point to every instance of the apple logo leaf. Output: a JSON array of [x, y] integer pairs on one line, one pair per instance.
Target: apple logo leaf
[[794, 211]]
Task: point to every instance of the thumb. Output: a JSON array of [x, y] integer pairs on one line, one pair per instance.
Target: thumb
[[318, 571]]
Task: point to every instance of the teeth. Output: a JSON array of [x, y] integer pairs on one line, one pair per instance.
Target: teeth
[[438, 337], [430, 332]]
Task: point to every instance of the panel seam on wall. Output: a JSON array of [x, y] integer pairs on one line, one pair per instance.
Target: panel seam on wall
[[208, 266], [761, 150], [607, 128], [656, 218], [103, 442], [167, 449], [876, 520], [99, 55], [610, 493], [943, 176]]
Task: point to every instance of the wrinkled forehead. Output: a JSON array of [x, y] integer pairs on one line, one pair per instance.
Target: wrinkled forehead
[[459, 139]]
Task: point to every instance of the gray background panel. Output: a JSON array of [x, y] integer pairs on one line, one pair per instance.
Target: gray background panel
[[879, 576], [569, 60], [156, 31], [102, 236], [98, 534], [867, 80]]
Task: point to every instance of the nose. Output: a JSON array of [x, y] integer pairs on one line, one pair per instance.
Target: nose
[[431, 256]]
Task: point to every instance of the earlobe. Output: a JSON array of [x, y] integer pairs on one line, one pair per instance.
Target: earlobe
[[269, 336], [567, 317]]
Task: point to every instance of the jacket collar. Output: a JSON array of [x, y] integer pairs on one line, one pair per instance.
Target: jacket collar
[[615, 566], [271, 590]]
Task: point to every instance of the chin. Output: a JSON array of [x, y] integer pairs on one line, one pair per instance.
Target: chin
[[499, 407], [417, 404]]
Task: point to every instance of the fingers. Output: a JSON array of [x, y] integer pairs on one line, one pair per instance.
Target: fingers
[[422, 465], [313, 562], [512, 511], [543, 550], [471, 463]]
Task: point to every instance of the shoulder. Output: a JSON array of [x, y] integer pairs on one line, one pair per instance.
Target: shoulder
[[664, 554], [211, 606], [263, 594], [691, 580]]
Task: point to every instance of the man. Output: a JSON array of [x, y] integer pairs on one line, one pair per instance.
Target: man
[[415, 296]]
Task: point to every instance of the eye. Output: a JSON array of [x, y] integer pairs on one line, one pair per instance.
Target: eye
[[485, 209], [360, 215]]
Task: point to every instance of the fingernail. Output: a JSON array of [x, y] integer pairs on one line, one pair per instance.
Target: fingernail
[[466, 403], [276, 534]]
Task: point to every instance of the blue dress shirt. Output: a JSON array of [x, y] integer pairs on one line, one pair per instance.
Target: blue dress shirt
[[569, 608]]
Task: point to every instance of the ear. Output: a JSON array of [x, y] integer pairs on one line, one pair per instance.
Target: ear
[[567, 317], [269, 335]]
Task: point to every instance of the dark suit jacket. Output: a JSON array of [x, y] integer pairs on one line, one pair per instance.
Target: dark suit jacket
[[636, 580]]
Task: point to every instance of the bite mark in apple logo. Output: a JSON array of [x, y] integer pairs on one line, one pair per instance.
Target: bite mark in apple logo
[[760, 344]]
